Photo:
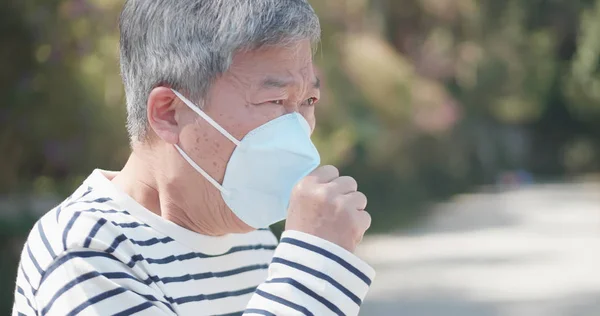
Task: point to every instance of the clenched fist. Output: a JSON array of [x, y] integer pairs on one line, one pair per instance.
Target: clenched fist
[[330, 207]]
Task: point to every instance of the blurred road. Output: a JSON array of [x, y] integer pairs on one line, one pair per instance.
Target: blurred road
[[527, 252]]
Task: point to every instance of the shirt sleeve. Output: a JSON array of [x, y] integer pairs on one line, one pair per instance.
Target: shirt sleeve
[[84, 282], [23, 304], [311, 276]]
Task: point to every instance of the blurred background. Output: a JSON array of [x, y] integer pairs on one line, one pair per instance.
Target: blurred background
[[473, 126]]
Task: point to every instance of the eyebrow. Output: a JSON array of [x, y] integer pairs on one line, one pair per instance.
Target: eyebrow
[[279, 83]]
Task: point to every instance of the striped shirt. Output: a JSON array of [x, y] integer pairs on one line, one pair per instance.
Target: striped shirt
[[102, 253]]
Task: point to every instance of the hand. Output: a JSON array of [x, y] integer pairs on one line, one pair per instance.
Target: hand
[[329, 206]]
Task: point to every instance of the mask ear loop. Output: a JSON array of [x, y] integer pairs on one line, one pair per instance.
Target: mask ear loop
[[201, 171], [207, 118], [216, 126]]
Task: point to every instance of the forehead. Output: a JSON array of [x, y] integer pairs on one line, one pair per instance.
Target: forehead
[[288, 61]]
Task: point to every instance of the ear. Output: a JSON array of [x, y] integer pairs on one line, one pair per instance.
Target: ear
[[162, 108]]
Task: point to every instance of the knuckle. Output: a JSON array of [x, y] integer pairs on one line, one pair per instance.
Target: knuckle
[[359, 200], [324, 173], [363, 220], [363, 199], [301, 188], [310, 178], [300, 185], [348, 183], [367, 219], [323, 195], [352, 181], [315, 173], [335, 200], [339, 202], [332, 169]]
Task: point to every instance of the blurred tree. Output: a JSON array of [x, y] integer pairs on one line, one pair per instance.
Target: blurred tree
[[427, 97], [422, 99], [62, 113], [583, 83]]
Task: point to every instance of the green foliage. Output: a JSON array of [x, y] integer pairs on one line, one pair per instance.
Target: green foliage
[[583, 84], [61, 114], [427, 98], [422, 99], [419, 102]]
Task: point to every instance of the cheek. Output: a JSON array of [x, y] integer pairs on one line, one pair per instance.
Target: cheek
[[207, 148]]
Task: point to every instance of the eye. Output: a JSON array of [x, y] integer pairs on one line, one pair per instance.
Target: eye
[[312, 101], [278, 102]]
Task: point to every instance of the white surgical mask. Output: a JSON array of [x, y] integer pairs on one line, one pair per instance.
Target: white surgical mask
[[264, 167]]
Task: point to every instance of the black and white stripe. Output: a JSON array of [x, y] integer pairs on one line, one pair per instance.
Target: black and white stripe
[[92, 253]]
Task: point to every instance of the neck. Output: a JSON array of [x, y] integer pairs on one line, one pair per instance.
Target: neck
[[153, 189]]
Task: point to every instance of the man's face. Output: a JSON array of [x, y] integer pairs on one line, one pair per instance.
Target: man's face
[[259, 87]]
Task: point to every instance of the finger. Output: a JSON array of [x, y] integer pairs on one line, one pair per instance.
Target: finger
[[325, 174], [362, 220], [356, 201], [345, 185]]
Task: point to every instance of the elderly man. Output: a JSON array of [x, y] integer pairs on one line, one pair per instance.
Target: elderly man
[[220, 99]]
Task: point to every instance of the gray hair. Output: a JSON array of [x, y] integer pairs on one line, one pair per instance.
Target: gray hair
[[187, 44]]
